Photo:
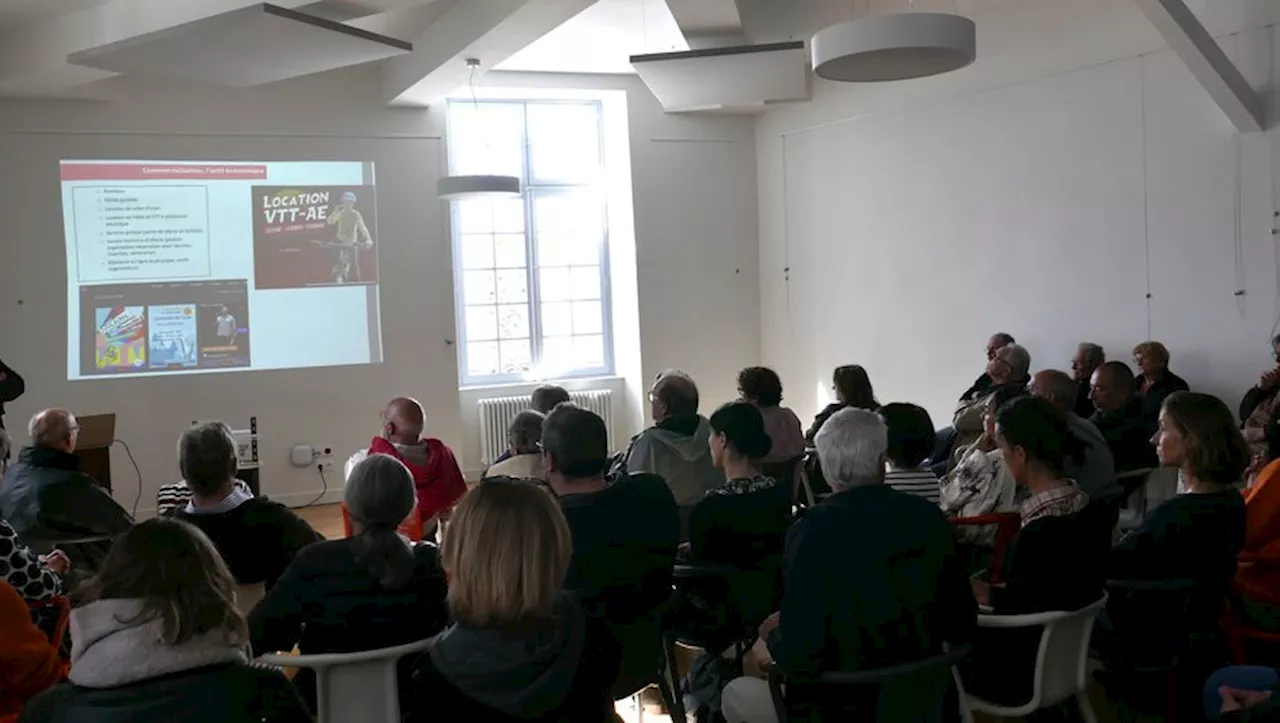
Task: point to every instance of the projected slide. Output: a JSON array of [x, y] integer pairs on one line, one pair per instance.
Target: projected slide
[[194, 266]]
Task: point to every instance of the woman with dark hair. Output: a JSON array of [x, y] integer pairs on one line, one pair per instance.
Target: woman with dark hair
[[1053, 563], [158, 638], [1197, 534], [372, 590], [762, 387], [519, 647], [852, 388]]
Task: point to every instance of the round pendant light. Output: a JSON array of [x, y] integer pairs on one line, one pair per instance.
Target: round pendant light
[[456, 188], [893, 47]]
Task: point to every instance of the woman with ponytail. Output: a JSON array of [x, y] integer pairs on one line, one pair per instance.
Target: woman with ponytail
[[372, 590]]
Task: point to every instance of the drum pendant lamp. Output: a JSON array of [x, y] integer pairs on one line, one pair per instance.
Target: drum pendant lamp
[[458, 188], [897, 46]]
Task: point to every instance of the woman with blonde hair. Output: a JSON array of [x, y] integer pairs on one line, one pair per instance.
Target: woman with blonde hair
[[158, 638], [519, 648]]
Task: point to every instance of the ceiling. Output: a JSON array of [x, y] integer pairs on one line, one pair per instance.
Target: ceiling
[[602, 38], [23, 11]]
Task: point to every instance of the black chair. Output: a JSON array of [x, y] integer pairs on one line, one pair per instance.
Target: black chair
[[648, 658], [742, 598], [906, 693], [1147, 642]]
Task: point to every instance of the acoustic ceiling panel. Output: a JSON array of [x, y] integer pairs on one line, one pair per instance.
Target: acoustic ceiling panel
[[739, 79], [254, 45]]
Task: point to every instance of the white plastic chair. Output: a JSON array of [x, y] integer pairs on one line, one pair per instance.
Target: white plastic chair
[[354, 687], [1061, 660]]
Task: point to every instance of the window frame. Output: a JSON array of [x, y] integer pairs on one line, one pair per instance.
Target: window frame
[[531, 189]]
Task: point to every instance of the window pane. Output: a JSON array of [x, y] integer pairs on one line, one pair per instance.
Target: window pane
[[486, 216], [588, 351], [554, 285], [513, 321], [564, 142], [557, 355], [515, 356], [587, 318], [585, 282], [482, 323], [486, 139], [557, 320], [482, 358], [477, 287], [513, 286], [555, 250], [477, 251], [508, 251]]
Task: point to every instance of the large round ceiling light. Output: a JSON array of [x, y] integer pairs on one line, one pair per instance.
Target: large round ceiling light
[[456, 188], [894, 47]]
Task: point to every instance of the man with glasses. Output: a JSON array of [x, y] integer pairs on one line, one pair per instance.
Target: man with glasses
[[47, 499]]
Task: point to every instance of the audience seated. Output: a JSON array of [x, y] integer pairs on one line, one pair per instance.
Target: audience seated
[[373, 590], [852, 388], [1096, 472], [45, 497], [1009, 367], [1155, 381], [174, 496], [543, 400], [518, 648], [625, 533], [1243, 693], [675, 447], [762, 387], [1258, 409], [911, 439], [1257, 581], [524, 458], [1120, 418], [29, 663], [1196, 535], [983, 384], [981, 483], [1053, 563], [1088, 358], [35, 578], [158, 638], [872, 580], [256, 537], [436, 475]]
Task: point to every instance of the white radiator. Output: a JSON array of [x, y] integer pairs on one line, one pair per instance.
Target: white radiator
[[496, 414]]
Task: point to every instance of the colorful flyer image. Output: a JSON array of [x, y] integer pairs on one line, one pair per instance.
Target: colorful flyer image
[[173, 335], [120, 338], [314, 236]]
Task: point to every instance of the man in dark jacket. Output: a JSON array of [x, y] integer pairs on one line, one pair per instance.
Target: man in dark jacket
[[1120, 418], [257, 537], [872, 580], [47, 499], [11, 387], [1088, 358]]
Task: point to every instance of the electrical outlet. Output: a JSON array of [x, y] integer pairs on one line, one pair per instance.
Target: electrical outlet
[[325, 464]]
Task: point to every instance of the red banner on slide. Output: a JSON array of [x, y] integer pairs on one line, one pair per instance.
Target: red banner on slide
[[160, 171]]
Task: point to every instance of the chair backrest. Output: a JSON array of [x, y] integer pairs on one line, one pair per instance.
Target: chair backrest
[[1153, 622], [802, 486], [785, 472], [1063, 654], [354, 687], [906, 692], [249, 595], [1007, 526]]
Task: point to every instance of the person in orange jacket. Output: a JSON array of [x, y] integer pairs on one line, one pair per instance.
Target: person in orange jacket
[[29, 663], [1258, 571]]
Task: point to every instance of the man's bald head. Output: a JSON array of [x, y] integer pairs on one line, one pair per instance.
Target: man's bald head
[[403, 420], [54, 429], [674, 394], [1055, 387]]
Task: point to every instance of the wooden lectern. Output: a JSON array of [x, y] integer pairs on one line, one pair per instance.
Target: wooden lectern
[[93, 446]]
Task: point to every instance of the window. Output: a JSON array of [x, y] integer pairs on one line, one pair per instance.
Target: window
[[531, 272]]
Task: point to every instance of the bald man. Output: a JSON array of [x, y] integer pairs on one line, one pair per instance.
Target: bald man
[[436, 474], [48, 500], [1096, 473], [675, 447], [1114, 393]]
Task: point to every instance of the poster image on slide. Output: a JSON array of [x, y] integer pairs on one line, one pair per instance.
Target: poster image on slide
[[120, 338], [173, 335], [224, 334], [314, 236]]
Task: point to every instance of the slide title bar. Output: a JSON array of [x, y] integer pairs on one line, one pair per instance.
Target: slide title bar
[[156, 171]]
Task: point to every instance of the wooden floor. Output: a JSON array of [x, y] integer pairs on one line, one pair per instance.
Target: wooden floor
[[326, 519]]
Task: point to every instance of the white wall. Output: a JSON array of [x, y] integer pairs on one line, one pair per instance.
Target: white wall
[[339, 116], [919, 217]]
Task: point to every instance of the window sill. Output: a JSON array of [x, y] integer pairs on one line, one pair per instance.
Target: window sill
[[570, 383]]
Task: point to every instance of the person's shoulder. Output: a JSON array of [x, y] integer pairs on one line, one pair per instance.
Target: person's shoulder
[[646, 486]]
